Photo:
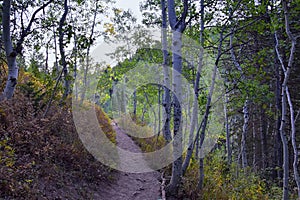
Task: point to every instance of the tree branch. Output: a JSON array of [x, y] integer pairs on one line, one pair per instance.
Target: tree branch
[[26, 31]]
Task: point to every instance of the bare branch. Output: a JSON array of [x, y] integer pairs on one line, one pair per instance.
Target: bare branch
[[26, 31]]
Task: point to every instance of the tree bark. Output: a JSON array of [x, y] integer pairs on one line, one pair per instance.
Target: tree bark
[[194, 119], [245, 128], [277, 162], [178, 27], [10, 52], [263, 141], [205, 121], [134, 104], [245, 108], [177, 140], [227, 129], [62, 51], [55, 51], [287, 71], [294, 144], [167, 97]]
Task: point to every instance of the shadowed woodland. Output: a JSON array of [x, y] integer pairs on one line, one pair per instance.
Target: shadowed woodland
[[214, 83]]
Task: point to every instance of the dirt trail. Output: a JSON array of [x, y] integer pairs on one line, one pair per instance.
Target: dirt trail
[[131, 186]]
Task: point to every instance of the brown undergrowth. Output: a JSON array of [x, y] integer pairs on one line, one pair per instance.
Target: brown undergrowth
[[43, 158]]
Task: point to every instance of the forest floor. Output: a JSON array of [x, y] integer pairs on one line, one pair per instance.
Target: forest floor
[[131, 186]]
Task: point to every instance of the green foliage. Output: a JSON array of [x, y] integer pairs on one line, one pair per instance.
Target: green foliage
[[226, 182]]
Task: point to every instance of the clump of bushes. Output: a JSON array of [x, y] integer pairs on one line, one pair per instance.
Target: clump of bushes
[[223, 181]]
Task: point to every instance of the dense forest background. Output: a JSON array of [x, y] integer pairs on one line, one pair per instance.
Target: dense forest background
[[222, 89]]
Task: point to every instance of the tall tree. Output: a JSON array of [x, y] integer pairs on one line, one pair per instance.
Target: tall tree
[[178, 25], [11, 51], [167, 97], [62, 50], [194, 119], [245, 108], [284, 96]]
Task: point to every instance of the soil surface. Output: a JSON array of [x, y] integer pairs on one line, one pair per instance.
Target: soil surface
[[130, 186]]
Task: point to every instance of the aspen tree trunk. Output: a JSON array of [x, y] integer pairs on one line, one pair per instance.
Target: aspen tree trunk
[[194, 119], [205, 121], [75, 67], [294, 144], [284, 92], [245, 108], [159, 110], [178, 27], [62, 50], [277, 162], [46, 70], [207, 111], [227, 129], [208, 105], [177, 140], [245, 128], [166, 97], [134, 104], [55, 51], [285, 87], [285, 146], [263, 127], [254, 144], [153, 111], [11, 54]]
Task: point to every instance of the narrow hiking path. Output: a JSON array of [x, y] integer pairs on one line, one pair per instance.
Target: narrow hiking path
[[131, 186]]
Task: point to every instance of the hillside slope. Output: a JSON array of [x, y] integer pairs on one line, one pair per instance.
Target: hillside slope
[[43, 158]]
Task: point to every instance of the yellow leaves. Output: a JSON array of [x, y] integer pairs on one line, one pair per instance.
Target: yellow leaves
[[7, 154], [28, 180], [109, 28], [117, 11]]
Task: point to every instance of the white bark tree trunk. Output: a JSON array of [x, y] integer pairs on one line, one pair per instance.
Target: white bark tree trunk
[[134, 104], [10, 52], [284, 92], [205, 121], [177, 139], [178, 27], [245, 128], [62, 50], [245, 108], [194, 119], [227, 129], [167, 97], [294, 144]]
